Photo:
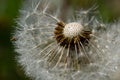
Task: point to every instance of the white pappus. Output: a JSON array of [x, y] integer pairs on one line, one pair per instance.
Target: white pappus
[[80, 48]]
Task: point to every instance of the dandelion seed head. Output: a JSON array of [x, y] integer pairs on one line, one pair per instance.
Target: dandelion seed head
[[72, 29], [50, 49]]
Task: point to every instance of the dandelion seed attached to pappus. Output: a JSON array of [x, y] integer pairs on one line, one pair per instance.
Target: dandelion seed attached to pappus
[[76, 49]]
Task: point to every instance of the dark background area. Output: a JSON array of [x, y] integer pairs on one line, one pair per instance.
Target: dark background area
[[9, 69], [9, 11]]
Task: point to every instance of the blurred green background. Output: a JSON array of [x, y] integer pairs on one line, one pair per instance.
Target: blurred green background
[[9, 11], [9, 70]]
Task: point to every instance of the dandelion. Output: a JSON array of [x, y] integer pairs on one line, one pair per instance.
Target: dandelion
[[80, 48]]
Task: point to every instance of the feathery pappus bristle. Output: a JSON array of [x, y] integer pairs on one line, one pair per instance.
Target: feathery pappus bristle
[[76, 49]]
